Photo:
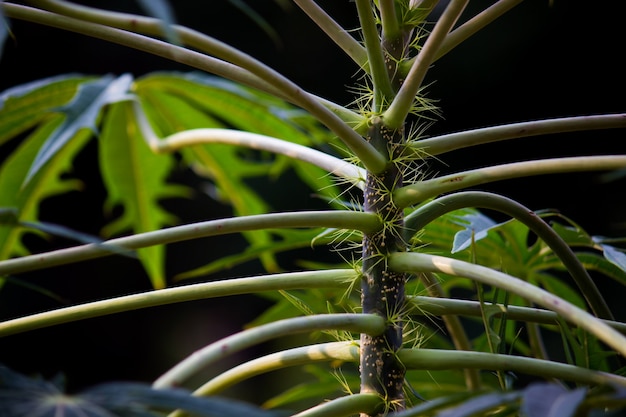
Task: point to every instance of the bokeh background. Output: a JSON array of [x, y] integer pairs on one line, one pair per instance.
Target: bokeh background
[[543, 59]]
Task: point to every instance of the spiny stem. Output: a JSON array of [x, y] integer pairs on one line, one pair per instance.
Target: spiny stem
[[382, 290]]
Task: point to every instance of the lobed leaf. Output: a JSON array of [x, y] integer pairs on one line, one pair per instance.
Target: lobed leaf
[[81, 113], [25, 199], [136, 179]]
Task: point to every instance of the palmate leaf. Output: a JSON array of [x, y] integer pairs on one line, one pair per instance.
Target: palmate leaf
[[81, 113], [47, 182], [135, 178], [24, 106], [575, 236], [176, 102]]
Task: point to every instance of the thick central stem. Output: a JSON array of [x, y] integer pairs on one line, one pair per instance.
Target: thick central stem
[[382, 290]]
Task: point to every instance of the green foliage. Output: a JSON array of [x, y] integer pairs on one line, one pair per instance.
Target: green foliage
[[503, 287]]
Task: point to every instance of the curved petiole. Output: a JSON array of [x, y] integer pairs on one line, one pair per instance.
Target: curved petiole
[[453, 141], [420, 262], [423, 190], [361, 323], [436, 208], [366, 222]]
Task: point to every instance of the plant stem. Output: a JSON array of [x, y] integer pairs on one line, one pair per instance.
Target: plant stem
[[345, 406], [453, 141], [419, 262], [365, 152], [455, 328], [333, 278], [366, 222], [339, 35], [472, 26], [445, 306], [382, 290], [389, 19], [433, 210], [192, 137], [154, 27], [347, 351], [423, 190], [434, 359], [202, 358], [401, 105], [375, 56]]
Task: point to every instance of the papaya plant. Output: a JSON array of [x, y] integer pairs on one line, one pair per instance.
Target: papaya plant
[[434, 296]]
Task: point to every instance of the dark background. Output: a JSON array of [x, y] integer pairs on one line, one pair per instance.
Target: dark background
[[541, 60]]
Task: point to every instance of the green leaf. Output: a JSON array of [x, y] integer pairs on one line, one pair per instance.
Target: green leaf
[[175, 102], [47, 182], [476, 225], [615, 256], [23, 106], [136, 179], [596, 262], [81, 113]]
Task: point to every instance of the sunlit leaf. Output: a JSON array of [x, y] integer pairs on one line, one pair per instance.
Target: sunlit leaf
[[176, 102], [81, 113], [47, 182], [23, 106], [476, 225], [136, 179], [596, 262], [615, 256]]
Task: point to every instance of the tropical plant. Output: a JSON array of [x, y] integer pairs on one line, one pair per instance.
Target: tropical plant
[[423, 306]]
